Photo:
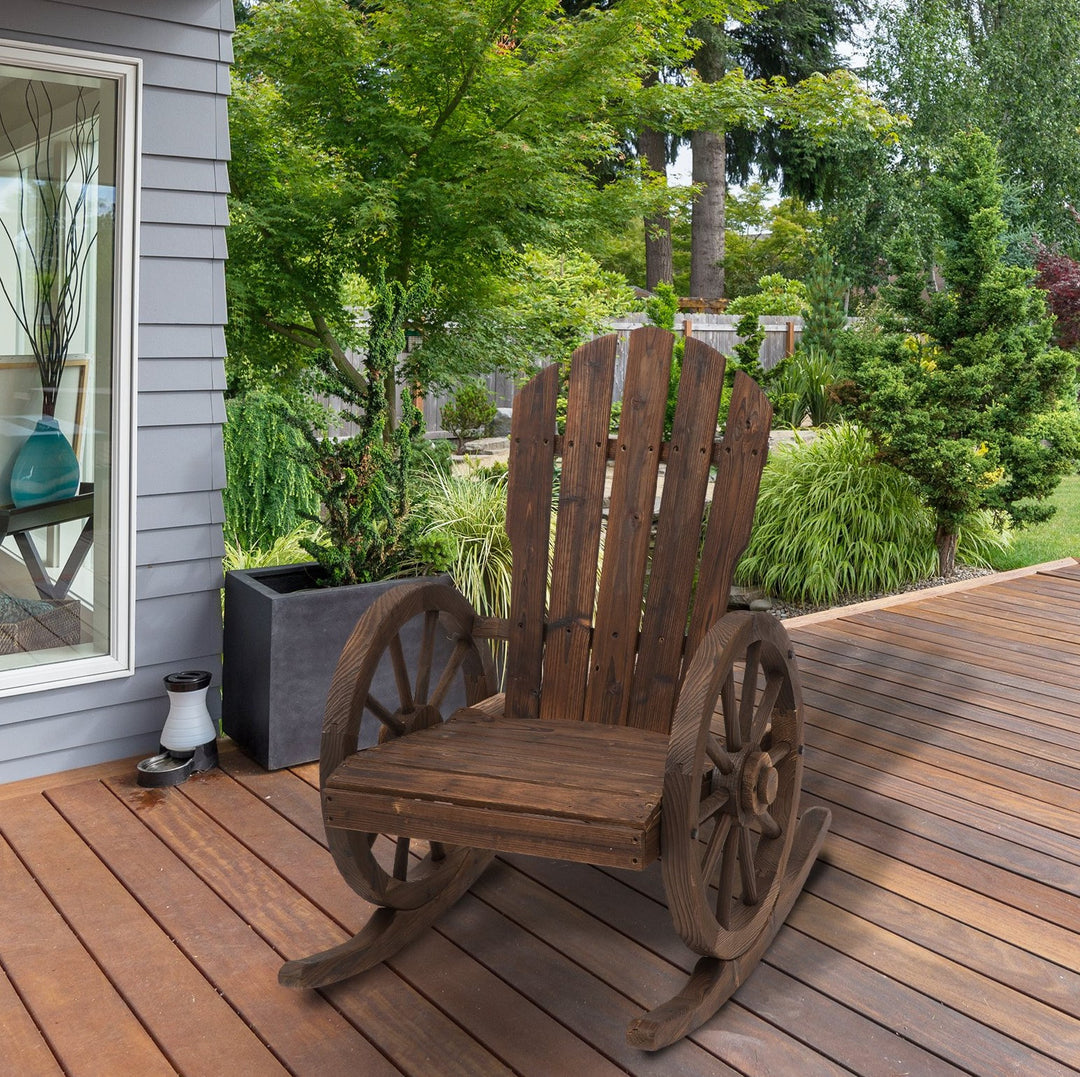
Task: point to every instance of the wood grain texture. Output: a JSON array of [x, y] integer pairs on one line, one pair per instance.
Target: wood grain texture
[[528, 524], [738, 475], [577, 534], [678, 536], [937, 935], [626, 550]]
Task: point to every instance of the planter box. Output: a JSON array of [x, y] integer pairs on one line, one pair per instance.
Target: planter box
[[283, 637]]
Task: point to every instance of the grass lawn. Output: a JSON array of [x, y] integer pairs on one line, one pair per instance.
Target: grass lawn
[[1058, 537]]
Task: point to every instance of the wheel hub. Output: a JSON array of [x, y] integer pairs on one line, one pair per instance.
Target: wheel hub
[[759, 783]]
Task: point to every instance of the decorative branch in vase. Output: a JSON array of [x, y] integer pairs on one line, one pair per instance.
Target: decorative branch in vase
[[51, 236]]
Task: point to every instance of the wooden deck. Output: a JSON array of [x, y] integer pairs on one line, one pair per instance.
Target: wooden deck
[[141, 930]]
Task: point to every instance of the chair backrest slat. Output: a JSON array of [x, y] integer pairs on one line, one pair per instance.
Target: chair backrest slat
[[528, 524], [626, 547], [738, 476], [577, 535], [678, 538], [589, 652]]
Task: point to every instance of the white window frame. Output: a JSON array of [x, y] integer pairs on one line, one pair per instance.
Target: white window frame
[[120, 661]]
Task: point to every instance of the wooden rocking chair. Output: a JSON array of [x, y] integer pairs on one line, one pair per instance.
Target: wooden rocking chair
[[640, 719]]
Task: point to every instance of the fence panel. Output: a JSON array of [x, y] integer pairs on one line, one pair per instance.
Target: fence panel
[[718, 330]]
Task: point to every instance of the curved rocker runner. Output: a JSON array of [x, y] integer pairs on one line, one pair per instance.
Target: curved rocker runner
[[628, 731]]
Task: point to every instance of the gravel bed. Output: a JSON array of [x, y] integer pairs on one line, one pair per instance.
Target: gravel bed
[[784, 610]]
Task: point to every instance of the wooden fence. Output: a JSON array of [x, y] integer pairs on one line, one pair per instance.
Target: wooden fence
[[781, 336]]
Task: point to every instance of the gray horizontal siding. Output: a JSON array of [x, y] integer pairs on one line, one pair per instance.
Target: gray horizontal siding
[[177, 376], [173, 292], [162, 511], [185, 207], [175, 459], [185, 48]]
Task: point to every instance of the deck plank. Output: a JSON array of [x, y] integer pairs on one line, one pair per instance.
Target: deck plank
[[25, 1050], [938, 934], [308, 1035], [203, 1037], [87, 1023]]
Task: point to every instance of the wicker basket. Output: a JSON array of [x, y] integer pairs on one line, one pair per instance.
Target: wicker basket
[[38, 624]]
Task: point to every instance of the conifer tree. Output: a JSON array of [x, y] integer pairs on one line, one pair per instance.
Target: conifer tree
[[960, 386]]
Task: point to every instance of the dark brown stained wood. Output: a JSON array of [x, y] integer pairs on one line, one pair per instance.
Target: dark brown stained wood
[[916, 656], [738, 476], [577, 535], [280, 916], [1050, 1044], [971, 949], [308, 1034], [957, 823], [674, 561], [628, 904], [141, 961], [528, 524], [626, 547], [577, 990], [87, 1024], [1007, 895]]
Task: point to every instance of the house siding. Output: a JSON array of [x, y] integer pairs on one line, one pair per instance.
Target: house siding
[[185, 46]]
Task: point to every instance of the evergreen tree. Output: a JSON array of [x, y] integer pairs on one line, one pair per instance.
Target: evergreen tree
[[960, 386]]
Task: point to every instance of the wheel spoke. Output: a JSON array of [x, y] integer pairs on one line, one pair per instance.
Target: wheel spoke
[[715, 846], [718, 755], [749, 690], [728, 870], [395, 725], [453, 664], [732, 732], [427, 649], [401, 674], [770, 828], [401, 859], [763, 716], [712, 804], [778, 753], [746, 862]]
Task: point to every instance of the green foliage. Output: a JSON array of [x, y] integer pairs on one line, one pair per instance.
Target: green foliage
[[776, 294], [286, 549], [468, 512], [960, 388], [801, 386], [661, 309], [835, 522], [830, 522], [766, 238], [826, 317], [662, 306], [372, 527], [1050, 540], [268, 489], [470, 413]]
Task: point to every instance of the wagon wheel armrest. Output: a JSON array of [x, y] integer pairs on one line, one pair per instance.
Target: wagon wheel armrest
[[376, 640]]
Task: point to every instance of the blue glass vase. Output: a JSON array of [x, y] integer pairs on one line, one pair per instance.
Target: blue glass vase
[[46, 468]]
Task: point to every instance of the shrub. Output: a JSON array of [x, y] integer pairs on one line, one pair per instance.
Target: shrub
[[470, 414], [801, 386], [833, 521], [269, 490]]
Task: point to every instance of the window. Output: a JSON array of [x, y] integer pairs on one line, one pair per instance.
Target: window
[[68, 193]]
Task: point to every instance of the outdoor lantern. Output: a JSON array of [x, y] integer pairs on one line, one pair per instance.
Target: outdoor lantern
[[189, 739]]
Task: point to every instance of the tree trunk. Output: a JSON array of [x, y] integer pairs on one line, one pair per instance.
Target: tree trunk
[[946, 540], [707, 220], [652, 149]]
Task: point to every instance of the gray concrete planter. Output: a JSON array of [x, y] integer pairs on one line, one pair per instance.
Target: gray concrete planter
[[283, 637]]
